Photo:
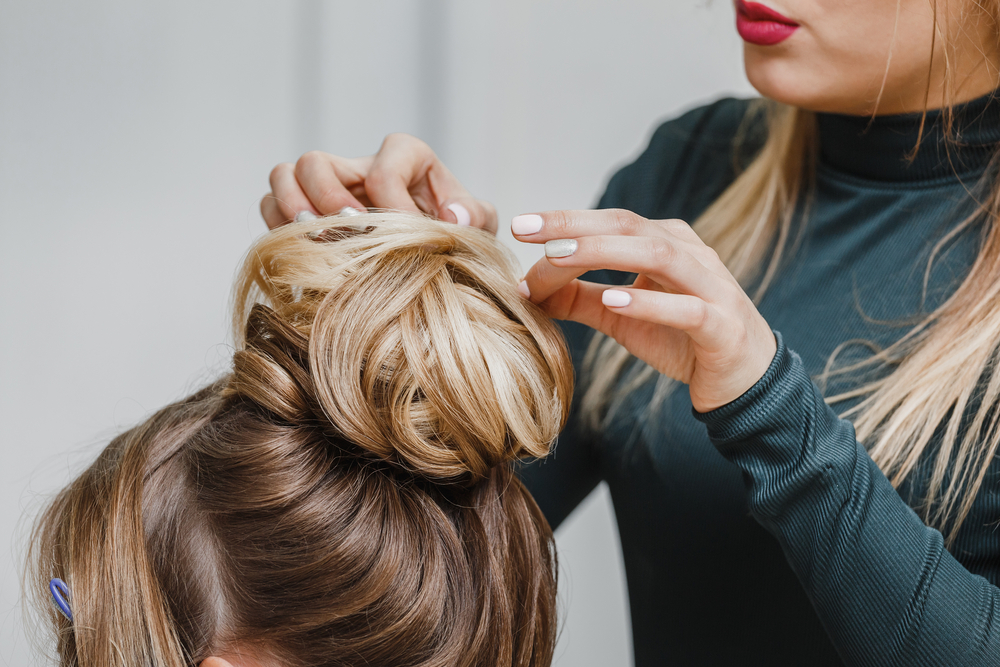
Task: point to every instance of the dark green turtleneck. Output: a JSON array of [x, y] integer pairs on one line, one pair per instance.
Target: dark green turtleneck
[[762, 533]]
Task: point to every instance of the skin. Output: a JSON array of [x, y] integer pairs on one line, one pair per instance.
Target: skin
[[404, 175], [836, 60], [238, 660], [686, 315], [215, 662]]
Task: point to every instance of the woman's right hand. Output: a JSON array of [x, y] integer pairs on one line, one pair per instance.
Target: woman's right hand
[[405, 175]]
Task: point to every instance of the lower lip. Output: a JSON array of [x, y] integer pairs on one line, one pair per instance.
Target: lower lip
[[763, 33]]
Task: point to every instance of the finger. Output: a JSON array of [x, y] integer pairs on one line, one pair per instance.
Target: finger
[[318, 179], [469, 211], [271, 212], [401, 162], [645, 282], [449, 198], [351, 172], [539, 228], [407, 175], [581, 301], [703, 252], [544, 279], [542, 227], [287, 195], [694, 316], [664, 259], [683, 231]]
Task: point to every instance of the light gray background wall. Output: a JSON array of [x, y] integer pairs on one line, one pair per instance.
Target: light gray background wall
[[135, 142]]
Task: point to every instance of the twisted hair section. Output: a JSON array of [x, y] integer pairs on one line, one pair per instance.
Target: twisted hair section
[[345, 496], [419, 348]]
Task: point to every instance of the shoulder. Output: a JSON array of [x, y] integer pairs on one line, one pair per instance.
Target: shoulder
[[689, 161]]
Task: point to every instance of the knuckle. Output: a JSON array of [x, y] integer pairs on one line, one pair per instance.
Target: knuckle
[[279, 170], [313, 155], [675, 225], [709, 257], [741, 337], [661, 251], [557, 223], [593, 246], [734, 294], [310, 160], [396, 140], [699, 314], [625, 223], [377, 178]]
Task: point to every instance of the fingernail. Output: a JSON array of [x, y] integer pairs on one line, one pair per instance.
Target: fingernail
[[304, 215], [523, 225], [461, 214], [522, 287], [560, 248], [348, 211], [616, 298]]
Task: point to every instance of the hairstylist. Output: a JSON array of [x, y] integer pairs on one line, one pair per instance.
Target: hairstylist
[[759, 528]]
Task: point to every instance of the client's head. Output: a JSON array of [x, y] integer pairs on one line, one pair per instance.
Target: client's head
[[345, 496]]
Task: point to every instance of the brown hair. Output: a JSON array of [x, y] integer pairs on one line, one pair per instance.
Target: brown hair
[[346, 495]]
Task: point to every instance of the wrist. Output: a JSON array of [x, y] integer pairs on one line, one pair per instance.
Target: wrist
[[749, 374], [731, 420]]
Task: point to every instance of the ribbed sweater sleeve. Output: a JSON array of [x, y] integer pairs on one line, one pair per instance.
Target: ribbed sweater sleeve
[[883, 584]]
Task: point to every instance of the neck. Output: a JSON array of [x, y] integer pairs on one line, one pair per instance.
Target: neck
[[882, 148], [917, 97], [964, 65]]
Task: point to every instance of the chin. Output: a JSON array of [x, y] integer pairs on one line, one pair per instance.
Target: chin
[[784, 79]]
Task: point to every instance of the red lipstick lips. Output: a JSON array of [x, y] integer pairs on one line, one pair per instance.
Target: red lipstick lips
[[762, 25]]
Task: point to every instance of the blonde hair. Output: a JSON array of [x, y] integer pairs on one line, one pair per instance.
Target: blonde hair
[[344, 496], [946, 369]]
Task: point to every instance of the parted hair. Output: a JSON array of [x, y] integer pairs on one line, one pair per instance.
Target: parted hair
[[346, 495]]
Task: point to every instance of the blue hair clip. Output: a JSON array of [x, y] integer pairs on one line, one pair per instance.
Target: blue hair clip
[[60, 595]]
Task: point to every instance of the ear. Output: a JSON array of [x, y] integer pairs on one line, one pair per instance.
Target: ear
[[215, 662], [237, 661]]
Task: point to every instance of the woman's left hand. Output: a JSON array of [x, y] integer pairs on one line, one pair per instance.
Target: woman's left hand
[[685, 314]]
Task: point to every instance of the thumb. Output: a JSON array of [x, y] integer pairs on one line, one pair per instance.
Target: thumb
[[469, 212]]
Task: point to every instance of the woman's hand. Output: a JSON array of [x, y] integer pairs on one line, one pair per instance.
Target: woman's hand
[[405, 174], [685, 314]]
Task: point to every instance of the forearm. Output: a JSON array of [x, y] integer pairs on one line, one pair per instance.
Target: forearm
[[884, 586]]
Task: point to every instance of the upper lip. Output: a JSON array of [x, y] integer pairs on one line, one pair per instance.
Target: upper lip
[[758, 12]]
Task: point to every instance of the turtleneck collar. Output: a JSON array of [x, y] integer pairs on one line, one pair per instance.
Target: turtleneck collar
[[877, 149]]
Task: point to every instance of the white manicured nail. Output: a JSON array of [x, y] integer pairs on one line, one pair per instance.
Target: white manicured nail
[[560, 248], [616, 298], [348, 211], [522, 287], [304, 215], [523, 225], [461, 214]]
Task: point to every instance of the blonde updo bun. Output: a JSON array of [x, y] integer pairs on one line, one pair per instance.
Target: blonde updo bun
[[408, 336]]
